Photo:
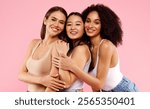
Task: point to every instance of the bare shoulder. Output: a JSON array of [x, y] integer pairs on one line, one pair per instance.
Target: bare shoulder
[[82, 50], [106, 46], [33, 43]]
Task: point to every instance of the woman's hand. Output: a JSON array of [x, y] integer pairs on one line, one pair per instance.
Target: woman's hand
[[52, 82], [63, 62], [62, 47]]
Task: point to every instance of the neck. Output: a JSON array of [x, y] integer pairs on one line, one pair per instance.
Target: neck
[[49, 39], [74, 42], [95, 41]]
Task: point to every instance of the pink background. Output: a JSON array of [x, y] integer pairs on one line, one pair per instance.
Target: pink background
[[20, 22]]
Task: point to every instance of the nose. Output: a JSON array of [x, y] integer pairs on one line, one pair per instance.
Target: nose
[[90, 25], [56, 24], [72, 27]]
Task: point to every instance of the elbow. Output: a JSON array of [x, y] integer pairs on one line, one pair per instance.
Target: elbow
[[20, 76], [98, 86]]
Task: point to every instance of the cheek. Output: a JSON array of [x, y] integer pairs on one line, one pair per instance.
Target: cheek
[[98, 28], [63, 26], [67, 29], [82, 30], [86, 25]]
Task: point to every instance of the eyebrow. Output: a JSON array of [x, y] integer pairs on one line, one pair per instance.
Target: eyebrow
[[75, 22], [94, 19], [57, 19]]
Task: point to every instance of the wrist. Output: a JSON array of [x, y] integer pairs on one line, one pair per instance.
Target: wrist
[[73, 68], [41, 80]]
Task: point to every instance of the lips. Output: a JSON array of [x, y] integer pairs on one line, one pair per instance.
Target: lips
[[73, 32], [90, 30], [55, 29]]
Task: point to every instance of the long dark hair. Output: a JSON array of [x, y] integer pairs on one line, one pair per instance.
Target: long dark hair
[[48, 13], [83, 40], [110, 23]]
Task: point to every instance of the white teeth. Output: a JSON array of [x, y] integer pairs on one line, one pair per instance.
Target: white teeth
[[73, 32], [90, 30], [55, 29]]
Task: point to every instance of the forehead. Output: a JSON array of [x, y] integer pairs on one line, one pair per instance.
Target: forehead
[[58, 15], [74, 18], [93, 15]]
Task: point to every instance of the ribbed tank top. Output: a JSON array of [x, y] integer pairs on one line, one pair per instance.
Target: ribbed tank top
[[38, 67], [114, 76]]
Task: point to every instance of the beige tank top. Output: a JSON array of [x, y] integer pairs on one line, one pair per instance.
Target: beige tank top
[[39, 66]]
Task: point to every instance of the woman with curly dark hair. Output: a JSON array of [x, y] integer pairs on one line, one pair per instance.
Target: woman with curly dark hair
[[103, 27]]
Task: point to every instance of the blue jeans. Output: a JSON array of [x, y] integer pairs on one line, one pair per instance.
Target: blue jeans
[[125, 85]]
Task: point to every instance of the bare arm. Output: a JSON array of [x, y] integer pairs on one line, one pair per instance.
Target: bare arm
[[80, 55], [54, 71], [23, 74], [105, 55]]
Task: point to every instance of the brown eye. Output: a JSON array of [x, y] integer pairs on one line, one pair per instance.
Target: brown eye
[[97, 22], [53, 19], [78, 24], [87, 20], [68, 24], [62, 22]]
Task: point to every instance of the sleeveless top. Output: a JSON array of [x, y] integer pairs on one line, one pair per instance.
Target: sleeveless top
[[114, 76], [38, 67], [78, 84]]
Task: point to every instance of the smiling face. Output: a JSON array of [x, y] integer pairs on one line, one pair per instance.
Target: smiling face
[[93, 24], [74, 27], [55, 23]]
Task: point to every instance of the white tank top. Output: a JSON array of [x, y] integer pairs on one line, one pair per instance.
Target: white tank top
[[78, 84], [114, 76]]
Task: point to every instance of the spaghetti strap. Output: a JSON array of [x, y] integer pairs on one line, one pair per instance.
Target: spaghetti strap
[[99, 45], [101, 42], [35, 47], [98, 53]]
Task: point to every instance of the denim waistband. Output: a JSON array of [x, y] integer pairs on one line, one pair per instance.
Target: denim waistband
[[125, 85]]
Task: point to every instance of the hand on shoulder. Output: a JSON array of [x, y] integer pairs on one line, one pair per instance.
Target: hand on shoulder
[[62, 47]]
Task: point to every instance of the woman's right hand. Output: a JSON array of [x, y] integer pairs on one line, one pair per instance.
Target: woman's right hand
[[62, 47], [52, 82], [63, 62]]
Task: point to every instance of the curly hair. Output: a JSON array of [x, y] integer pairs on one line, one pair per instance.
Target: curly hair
[[110, 23]]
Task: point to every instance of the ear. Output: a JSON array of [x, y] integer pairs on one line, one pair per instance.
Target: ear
[[45, 21]]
